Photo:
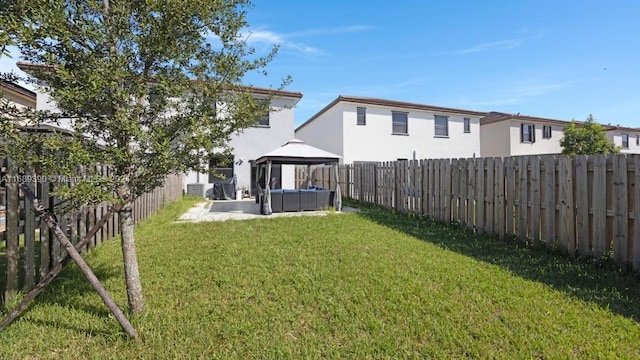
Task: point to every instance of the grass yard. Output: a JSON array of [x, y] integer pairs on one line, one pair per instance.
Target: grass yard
[[370, 285]]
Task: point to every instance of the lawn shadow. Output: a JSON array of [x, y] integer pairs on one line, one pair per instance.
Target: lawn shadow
[[70, 288], [596, 281]]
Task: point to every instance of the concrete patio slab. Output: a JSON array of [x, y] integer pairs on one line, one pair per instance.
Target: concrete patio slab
[[222, 210]]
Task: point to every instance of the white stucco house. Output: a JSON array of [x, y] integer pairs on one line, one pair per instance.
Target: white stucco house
[[628, 139], [372, 129], [275, 128], [17, 95], [503, 134]]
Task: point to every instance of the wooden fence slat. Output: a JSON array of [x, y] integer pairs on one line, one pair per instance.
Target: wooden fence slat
[[509, 213], [599, 205], [635, 262], [12, 241], [534, 199], [45, 238], [29, 241], [621, 241], [498, 192], [455, 193], [582, 204], [480, 199], [490, 201], [523, 207], [549, 200], [446, 196], [437, 190], [567, 217], [462, 163], [471, 194]]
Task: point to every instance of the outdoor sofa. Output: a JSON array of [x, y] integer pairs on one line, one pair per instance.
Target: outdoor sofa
[[299, 200]]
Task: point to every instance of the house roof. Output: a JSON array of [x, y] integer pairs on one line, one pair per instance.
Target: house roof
[[495, 116], [18, 89], [390, 103], [298, 152], [34, 69]]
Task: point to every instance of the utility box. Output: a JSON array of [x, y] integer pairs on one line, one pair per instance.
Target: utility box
[[195, 190]]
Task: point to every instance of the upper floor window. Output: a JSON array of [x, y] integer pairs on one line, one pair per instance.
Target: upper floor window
[[362, 116], [264, 119], [638, 140], [467, 125], [625, 141], [546, 131], [442, 125], [527, 133], [400, 122]]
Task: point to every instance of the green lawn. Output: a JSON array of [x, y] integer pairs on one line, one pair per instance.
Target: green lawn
[[370, 285]]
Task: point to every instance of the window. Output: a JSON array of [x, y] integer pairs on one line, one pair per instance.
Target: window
[[546, 131], [264, 119], [467, 125], [442, 125], [527, 133], [399, 120], [220, 168], [638, 140], [625, 141], [362, 116]]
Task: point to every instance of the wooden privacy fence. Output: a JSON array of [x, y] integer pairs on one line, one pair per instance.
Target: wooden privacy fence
[[29, 250], [586, 205]]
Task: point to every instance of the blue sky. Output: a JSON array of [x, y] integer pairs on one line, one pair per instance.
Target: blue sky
[[555, 59]]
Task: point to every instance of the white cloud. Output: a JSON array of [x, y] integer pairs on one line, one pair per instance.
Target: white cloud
[[270, 38], [330, 31], [496, 45]]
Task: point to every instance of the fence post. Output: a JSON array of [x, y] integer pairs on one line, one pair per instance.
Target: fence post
[[12, 223]]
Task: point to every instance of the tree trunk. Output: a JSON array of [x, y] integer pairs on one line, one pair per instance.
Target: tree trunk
[[131, 273]]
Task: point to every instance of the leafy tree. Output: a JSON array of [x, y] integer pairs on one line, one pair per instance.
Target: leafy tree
[[138, 82], [587, 139]]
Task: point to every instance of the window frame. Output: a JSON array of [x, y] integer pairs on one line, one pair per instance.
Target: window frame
[[466, 123], [440, 127], [547, 131], [394, 122], [625, 135], [362, 116], [532, 133], [265, 116]]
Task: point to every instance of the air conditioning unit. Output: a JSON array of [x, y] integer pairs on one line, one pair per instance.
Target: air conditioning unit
[[195, 190]]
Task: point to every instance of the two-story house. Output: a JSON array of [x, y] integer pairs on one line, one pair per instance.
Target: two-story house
[[372, 129], [274, 129], [16, 95], [503, 134], [628, 139]]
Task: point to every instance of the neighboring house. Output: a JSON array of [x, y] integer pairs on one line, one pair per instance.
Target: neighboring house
[[275, 128], [503, 134], [628, 139], [371, 129], [17, 95]]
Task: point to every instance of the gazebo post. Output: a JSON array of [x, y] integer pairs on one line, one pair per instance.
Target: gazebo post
[[267, 193], [338, 192], [308, 176]]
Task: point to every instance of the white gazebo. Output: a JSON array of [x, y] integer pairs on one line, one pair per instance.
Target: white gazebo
[[297, 152]]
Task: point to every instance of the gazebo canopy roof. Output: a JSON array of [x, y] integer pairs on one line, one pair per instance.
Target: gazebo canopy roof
[[298, 152]]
